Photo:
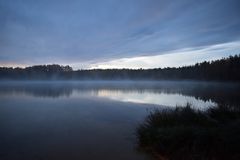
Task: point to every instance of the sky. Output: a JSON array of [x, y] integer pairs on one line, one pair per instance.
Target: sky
[[117, 33]]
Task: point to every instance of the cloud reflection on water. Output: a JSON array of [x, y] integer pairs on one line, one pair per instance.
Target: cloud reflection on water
[[164, 93]]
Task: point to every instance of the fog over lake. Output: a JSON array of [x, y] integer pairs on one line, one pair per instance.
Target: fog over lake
[[91, 120]]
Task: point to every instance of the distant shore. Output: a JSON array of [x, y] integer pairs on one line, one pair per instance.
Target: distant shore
[[223, 70]]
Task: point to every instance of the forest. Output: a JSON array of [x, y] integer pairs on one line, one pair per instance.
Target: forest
[[225, 69]]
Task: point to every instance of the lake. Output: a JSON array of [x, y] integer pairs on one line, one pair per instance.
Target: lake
[[91, 120]]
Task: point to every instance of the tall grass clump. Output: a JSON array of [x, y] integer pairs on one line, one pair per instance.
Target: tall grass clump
[[184, 133]]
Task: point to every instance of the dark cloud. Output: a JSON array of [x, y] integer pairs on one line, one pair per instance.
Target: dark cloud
[[61, 31]]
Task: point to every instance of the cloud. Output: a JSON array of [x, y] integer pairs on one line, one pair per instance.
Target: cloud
[[183, 57], [82, 31]]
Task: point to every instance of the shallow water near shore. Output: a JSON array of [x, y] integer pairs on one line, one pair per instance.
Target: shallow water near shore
[[91, 120]]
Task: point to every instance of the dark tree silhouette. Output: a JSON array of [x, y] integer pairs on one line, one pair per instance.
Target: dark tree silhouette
[[226, 69]]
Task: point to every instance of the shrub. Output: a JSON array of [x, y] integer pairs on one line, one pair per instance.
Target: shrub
[[186, 133]]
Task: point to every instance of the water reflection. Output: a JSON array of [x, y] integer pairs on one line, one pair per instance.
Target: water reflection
[[156, 98], [88, 120], [167, 93]]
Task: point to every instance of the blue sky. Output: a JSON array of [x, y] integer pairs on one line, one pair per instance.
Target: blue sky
[[117, 33]]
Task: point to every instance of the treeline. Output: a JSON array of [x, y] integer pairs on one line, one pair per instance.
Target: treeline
[[226, 69]]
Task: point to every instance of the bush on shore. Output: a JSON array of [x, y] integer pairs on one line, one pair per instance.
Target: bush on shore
[[184, 133]]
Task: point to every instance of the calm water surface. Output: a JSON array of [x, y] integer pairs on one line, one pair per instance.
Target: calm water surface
[[90, 120]]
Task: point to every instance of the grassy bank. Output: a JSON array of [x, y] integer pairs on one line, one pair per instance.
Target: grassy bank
[[188, 134]]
